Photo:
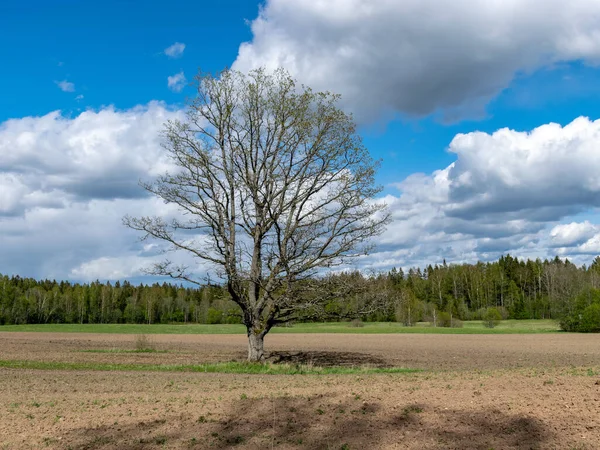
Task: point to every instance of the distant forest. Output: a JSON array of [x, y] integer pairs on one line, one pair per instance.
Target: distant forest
[[518, 289]]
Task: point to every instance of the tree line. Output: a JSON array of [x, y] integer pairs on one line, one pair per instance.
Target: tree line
[[26, 300], [516, 288]]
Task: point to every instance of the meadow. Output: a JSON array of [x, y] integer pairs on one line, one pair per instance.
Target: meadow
[[469, 327]]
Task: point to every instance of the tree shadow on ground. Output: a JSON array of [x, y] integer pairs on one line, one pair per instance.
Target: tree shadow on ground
[[328, 359], [323, 422], [320, 422], [488, 429]]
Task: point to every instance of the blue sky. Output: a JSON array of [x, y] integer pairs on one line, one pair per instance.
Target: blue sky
[[111, 50], [415, 75]]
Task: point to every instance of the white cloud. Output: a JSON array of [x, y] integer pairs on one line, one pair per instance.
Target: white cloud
[[506, 192], [176, 82], [590, 247], [419, 56], [12, 191], [16, 195], [78, 241], [577, 238], [573, 233], [176, 50], [110, 268], [98, 154], [66, 183], [79, 97], [65, 86], [549, 172]]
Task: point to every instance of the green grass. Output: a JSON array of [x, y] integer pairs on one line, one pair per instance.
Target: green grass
[[120, 350], [469, 327], [226, 367]]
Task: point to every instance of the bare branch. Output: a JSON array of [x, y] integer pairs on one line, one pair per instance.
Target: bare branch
[[276, 187]]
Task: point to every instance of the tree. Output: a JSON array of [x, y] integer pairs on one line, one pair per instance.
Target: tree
[[277, 187], [408, 307], [585, 312]]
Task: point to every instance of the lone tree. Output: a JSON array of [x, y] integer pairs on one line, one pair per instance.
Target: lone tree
[[275, 185]]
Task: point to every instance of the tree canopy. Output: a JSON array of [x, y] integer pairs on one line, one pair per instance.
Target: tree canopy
[[276, 186]]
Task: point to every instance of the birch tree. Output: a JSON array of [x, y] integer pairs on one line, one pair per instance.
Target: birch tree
[[276, 187]]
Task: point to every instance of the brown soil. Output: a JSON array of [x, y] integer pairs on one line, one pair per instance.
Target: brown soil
[[478, 392]]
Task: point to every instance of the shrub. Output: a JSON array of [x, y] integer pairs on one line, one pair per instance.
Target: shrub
[[356, 323], [590, 319], [214, 316], [444, 319], [585, 317], [491, 317], [233, 316], [177, 316], [503, 312], [569, 323], [456, 323]]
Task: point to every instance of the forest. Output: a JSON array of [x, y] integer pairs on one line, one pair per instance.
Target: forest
[[443, 294]]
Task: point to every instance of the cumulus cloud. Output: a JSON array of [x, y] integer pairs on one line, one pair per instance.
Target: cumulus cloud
[[80, 241], [12, 191], [506, 192], [419, 57], [16, 195], [65, 86], [110, 268], [98, 154], [176, 82], [540, 175], [176, 50], [590, 247], [66, 183], [576, 238], [573, 233]]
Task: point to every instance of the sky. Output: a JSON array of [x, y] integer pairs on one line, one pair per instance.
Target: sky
[[485, 116]]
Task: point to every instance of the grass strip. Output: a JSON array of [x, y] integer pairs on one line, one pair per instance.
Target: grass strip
[[120, 350], [469, 327], [226, 367]]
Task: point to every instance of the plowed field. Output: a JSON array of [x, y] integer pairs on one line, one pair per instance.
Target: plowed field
[[475, 392]]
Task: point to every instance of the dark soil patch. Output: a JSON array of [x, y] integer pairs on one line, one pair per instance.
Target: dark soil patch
[[329, 359]]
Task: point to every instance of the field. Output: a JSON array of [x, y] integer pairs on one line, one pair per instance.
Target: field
[[344, 389], [470, 327]]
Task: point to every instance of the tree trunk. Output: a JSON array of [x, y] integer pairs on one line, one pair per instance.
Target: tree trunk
[[256, 351]]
